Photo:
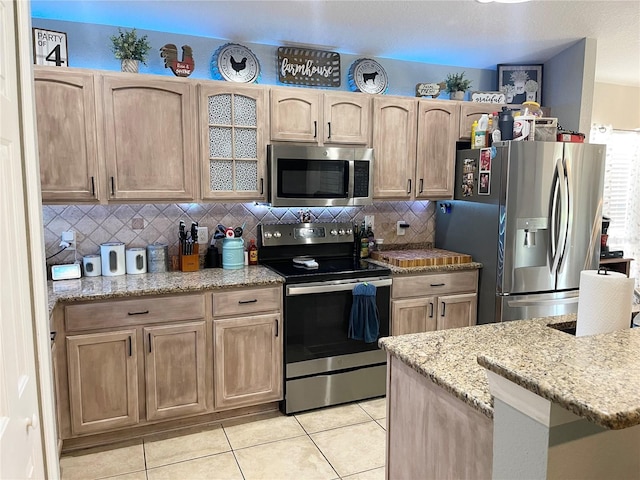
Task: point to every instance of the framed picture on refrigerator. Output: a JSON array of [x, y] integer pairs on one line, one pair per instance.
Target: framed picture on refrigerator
[[520, 83]]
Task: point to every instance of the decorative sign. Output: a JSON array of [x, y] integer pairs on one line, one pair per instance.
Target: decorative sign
[[488, 97], [303, 66], [235, 63], [180, 68], [368, 76], [50, 48], [429, 89]]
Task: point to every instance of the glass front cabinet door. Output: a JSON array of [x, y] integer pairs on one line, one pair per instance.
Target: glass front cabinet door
[[234, 141]]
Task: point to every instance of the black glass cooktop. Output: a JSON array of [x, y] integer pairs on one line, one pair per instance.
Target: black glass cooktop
[[327, 269]]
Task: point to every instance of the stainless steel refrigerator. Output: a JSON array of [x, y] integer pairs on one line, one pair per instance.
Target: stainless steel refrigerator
[[532, 216]]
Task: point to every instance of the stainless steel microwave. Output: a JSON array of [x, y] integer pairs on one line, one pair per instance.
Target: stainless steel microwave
[[306, 176]]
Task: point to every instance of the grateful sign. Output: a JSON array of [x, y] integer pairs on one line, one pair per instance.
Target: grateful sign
[[303, 66], [488, 97]]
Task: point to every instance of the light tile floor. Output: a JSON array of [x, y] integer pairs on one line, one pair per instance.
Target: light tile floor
[[344, 442]]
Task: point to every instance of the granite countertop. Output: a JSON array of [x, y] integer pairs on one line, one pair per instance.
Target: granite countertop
[[101, 288], [546, 361], [427, 269]]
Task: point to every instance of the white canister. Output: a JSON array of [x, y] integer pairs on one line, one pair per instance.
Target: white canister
[[113, 260], [136, 260], [92, 265]]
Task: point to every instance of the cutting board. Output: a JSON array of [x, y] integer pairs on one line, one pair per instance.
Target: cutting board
[[421, 258]]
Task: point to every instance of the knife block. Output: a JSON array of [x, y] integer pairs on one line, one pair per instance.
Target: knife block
[[190, 263]]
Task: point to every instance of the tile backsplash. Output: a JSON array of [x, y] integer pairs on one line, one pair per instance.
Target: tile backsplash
[[138, 225]]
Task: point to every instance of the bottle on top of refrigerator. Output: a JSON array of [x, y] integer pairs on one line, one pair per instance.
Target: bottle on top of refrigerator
[[474, 127], [488, 137], [480, 137]]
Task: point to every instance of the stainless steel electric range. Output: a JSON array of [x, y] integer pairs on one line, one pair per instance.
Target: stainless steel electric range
[[322, 365]]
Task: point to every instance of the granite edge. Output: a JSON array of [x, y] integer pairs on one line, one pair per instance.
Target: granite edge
[[428, 268]]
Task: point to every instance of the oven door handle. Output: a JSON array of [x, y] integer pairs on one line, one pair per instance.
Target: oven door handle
[[323, 287]]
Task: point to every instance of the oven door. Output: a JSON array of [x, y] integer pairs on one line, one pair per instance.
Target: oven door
[[317, 322]]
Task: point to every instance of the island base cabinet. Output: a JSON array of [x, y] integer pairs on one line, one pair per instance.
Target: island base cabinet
[[455, 311], [247, 361], [103, 381], [430, 433], [175, 363]]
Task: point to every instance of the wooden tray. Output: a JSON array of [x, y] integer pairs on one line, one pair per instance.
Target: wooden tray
[[421, 258]]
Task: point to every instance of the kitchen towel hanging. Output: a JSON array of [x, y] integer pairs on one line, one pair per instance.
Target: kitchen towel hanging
[[604, 302], [364, 321]]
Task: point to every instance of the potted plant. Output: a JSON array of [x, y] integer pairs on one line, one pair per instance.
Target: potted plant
[[130, 49], [456, 85]]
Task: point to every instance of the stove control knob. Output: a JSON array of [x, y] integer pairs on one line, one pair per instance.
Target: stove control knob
[[349, 231], [277, 234], [268, 235], [341, 231], [334, 232]]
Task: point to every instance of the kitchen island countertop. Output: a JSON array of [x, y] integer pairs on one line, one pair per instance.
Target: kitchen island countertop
[[591, 376], [122, 286], [395, 270]]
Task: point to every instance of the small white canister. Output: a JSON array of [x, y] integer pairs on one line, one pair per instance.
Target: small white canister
[[113, 262], [92, 265], [136, 260]]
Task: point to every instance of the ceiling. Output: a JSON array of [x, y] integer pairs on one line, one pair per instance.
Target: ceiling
[[455, 32]]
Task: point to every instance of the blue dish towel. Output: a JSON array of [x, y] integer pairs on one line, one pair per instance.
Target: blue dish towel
[[364, 322]]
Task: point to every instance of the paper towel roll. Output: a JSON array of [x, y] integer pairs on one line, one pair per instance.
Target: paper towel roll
[[604, 302]]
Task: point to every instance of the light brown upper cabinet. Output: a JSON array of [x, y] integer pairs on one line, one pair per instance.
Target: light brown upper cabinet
[[149, 137], [233, 123], [394, 144], [311, 116], [436, 148], [67, 144], [470, 111]]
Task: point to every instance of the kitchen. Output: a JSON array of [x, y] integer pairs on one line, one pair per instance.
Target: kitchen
[[129, 232]]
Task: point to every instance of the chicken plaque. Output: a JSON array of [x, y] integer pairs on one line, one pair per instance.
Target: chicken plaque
[[180, 68], [235, 63]]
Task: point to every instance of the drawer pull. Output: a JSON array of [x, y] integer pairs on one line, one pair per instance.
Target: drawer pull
[[138, 313], [430, 309], [242, 302], [438, 284]]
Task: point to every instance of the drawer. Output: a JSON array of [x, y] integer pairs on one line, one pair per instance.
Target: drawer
[[246, 301], [435, 284], [138, 311]]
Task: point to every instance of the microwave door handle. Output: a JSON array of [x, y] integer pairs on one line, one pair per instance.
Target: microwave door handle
[[352, 179]]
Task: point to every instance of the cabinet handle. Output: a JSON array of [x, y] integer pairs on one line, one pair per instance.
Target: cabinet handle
[[113, 190], [443, 306], [53, 335], [261, 186], [438, 284], [409, 186], [242, 302], [149, 342], [329, 124], [93, 186], [138, 313], [277, 327], [421, 185], [430, 309], [315, 129], [130, 353]]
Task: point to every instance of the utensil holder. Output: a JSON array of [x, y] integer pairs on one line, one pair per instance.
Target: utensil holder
[[190, 263]]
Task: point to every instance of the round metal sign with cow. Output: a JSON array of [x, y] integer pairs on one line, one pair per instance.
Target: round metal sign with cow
[[368, 76]]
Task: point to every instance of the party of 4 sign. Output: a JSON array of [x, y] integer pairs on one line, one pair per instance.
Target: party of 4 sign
[[50, 48]]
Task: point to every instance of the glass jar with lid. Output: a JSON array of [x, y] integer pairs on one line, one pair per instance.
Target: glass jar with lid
[[531, 108]]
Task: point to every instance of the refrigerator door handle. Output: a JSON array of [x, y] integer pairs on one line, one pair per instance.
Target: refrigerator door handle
[[566, 219], [553, 220], [559, 206]]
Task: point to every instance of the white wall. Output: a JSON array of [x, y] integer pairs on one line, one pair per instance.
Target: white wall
[[616, 105]]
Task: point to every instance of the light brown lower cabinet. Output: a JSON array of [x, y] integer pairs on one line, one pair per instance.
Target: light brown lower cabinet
[[247, 360], [175, 365], [103, 380], [433, 301]]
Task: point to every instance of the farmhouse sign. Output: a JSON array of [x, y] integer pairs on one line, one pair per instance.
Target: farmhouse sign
[[303, 66]]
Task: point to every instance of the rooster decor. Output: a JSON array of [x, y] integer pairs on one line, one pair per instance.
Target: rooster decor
[[179, 68]]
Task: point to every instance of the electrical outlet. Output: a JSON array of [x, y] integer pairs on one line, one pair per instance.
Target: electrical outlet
[[400, 227], [203, 235], [70, 238], [369, 221]]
